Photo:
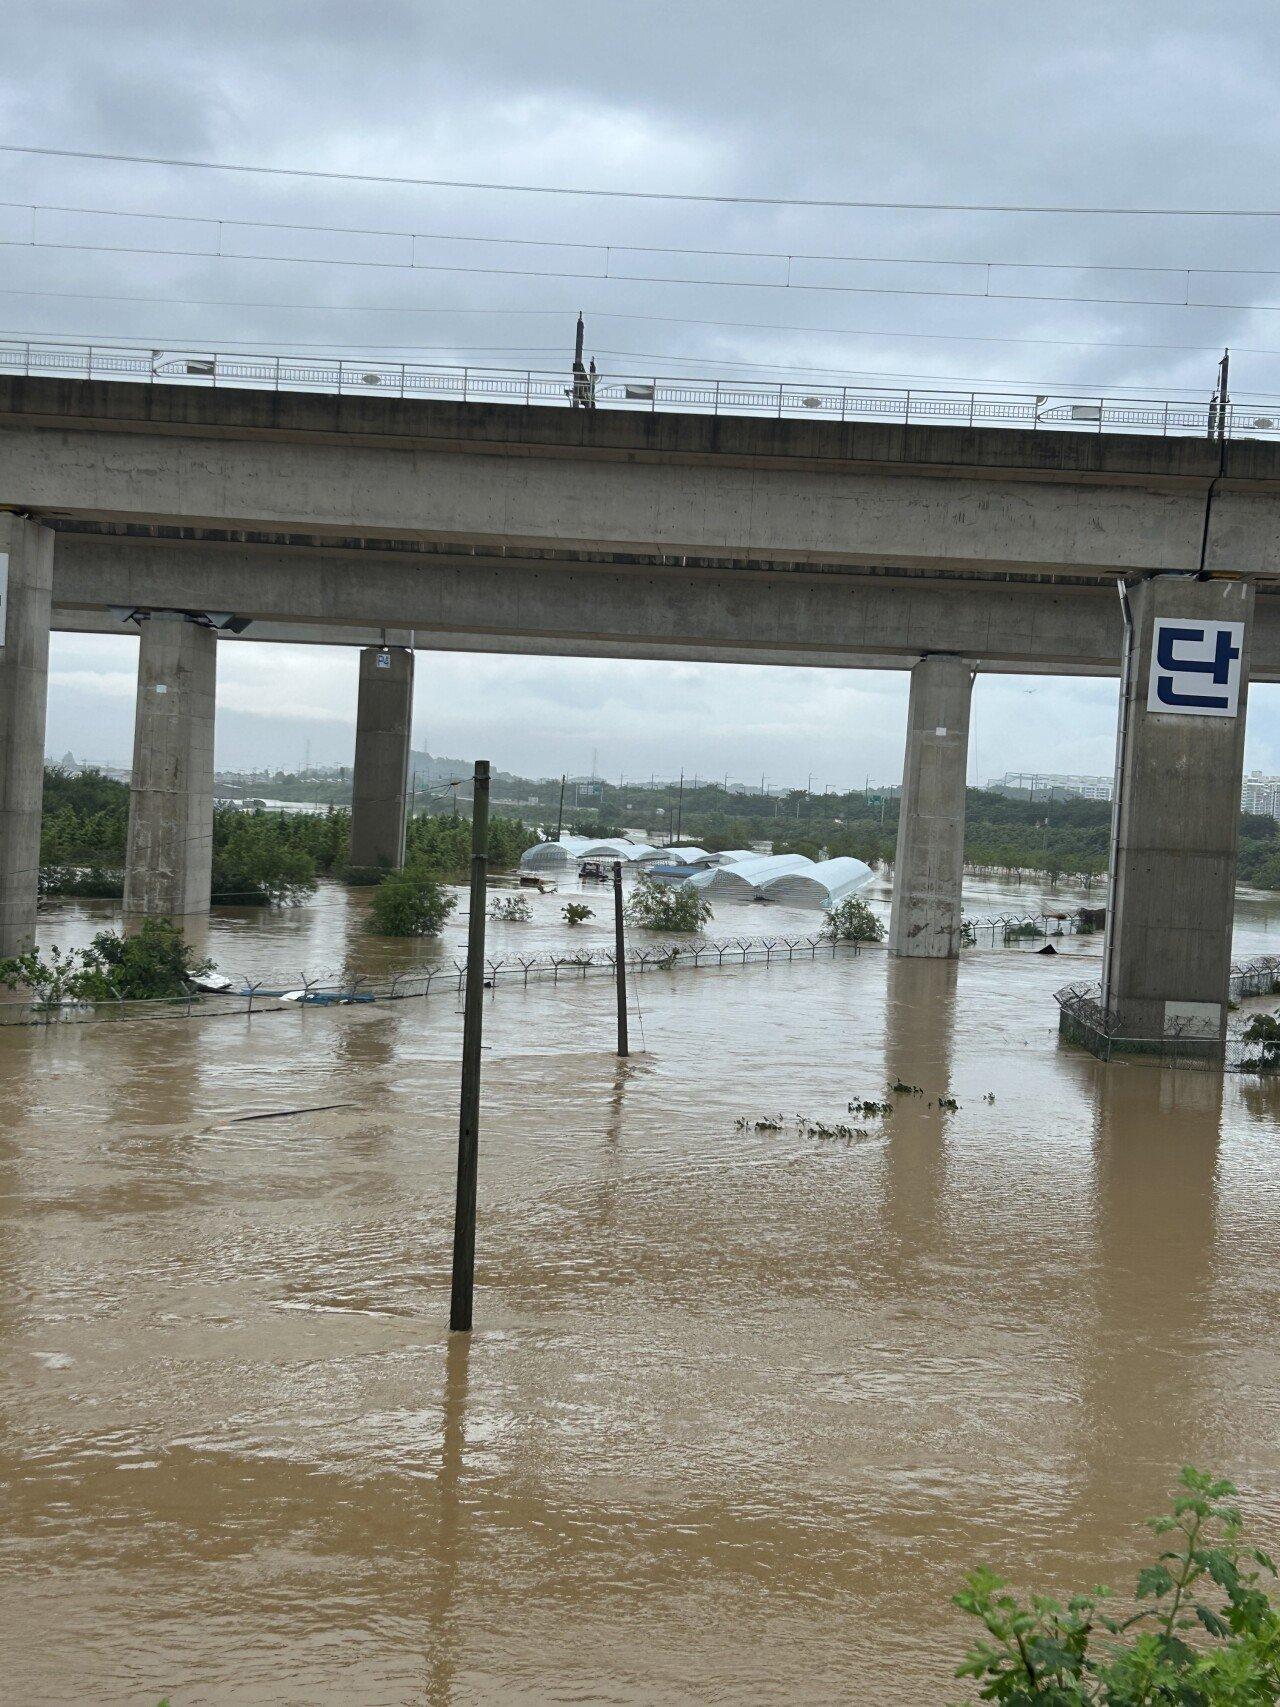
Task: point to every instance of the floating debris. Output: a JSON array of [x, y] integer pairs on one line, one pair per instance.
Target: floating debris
[[288, 1113], [905, 1090]]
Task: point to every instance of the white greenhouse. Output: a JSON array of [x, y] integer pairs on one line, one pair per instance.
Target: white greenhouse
[[554, 856], [684, 856], [745, 877], [825, 884], [616, 847]]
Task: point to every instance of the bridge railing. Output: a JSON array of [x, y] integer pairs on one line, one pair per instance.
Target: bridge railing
[[1070, 411]]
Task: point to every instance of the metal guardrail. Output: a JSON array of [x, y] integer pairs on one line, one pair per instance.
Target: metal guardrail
[[330, 989], [1058, 410]]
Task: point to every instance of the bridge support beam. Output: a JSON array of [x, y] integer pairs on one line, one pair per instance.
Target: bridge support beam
[[26, 558], [929, 864], [1167, 957], [380, 782], [169, 859]]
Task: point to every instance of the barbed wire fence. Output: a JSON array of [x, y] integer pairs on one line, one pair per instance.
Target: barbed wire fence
[[330, 987], [1084, 1019]]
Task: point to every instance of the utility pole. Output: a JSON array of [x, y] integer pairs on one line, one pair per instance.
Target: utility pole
[[680, 808], [1218, 407], [560, 814], [464, 1211], [582, 393], [620, 958]]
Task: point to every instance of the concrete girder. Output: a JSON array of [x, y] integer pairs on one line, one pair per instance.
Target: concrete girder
[[582, 504], [467, 603]]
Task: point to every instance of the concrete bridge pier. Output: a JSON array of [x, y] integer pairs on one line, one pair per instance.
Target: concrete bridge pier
[[169, 858], [26, 582], [929, 864], [380, 782], [1167, 956]]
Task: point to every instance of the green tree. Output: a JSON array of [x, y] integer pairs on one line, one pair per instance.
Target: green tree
[[851, 920], [667, 906], [257, 859], [409, 903]]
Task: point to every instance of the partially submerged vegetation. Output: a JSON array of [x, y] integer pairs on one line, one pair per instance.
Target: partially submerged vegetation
[[658, 906], [852, 920], [263, 858], [411, 902], [150, 965], [510, 909]]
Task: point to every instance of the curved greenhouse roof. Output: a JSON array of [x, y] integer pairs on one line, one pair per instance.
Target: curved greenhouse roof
[[825, 884], [685, 856], [746, 876], [553, 856], [732, 856], [616, 847]]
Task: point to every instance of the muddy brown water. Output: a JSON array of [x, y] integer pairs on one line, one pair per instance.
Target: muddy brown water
[[741, 1407]]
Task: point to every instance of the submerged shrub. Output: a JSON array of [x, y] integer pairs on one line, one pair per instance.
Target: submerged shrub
[[153, 963], [514, 909], [409, 903], [853, 921], [667, 906]]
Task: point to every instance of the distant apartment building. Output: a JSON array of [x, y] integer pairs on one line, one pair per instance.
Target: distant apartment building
[[1052, 785], [1258, 793], [1261, 794]]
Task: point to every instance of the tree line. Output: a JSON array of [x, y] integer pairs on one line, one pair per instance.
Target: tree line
[[259, 857], [263, 856]]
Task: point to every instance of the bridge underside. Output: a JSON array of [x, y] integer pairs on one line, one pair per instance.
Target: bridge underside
[[395, 525]]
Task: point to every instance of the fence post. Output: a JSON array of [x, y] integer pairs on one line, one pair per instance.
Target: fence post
[[464, 1213]]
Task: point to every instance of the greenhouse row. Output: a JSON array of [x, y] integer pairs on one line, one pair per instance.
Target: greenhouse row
[[738, 873]]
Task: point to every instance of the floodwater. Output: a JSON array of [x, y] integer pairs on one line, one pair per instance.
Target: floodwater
[[741, 1407]]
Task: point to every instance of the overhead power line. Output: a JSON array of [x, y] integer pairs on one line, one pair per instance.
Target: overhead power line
[[866, 203], [784, 256], [415, 266], [883, 333]]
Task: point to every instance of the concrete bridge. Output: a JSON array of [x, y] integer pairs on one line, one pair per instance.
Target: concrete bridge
[[198, 517]]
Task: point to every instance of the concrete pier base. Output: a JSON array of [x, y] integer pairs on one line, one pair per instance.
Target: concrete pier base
[[929, 864], [1167, 958], [26, 559], [170, 851], [380, 786]]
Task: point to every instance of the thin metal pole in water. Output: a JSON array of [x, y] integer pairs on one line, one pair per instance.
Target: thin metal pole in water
[[620, 958], [464, 1214]]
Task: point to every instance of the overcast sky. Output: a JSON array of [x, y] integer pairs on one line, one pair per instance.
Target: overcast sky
[[1152, 103]]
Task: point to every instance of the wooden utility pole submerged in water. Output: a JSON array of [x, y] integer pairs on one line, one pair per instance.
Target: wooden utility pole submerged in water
[[464, 1213], [620, 958]]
